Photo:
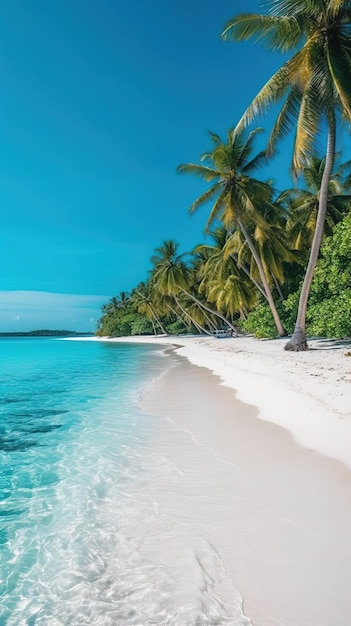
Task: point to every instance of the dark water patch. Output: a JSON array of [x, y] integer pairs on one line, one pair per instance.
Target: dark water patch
[[4, 494], [43, 429], [35, 378], [11, 513], [13, 400], [38, 413], [12, 445]]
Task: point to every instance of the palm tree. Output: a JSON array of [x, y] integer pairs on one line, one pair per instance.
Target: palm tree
[[237, 197], [142, 298], [315, 84], [170, 275], [188, 315], [116, 303], [304, 203], [222, 280]]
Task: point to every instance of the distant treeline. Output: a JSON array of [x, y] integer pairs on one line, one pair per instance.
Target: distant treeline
[[47, 333]]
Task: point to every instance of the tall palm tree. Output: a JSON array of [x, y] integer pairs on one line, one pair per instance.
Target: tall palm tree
[[237, 197], [315, 84]]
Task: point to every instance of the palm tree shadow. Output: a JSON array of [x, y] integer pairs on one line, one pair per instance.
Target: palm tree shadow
[[330, 344]]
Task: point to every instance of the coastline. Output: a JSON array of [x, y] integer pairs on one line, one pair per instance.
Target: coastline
[[260, 443], [307, 393]]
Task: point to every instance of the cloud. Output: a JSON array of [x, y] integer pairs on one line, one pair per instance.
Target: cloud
[[30, 310]]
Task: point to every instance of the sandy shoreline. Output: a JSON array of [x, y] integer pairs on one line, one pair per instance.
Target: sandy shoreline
[[263, 456], [307, 393], [277, 514]]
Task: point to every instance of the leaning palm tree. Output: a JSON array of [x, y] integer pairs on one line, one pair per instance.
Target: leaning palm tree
[[222, 280], [186, 314], [315, 84], [142, 298], [170, 275], [237, 198]]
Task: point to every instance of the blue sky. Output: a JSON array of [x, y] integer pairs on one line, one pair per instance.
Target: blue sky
[[100, 101]]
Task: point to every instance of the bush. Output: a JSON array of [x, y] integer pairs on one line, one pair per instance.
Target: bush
[[329, 305], [329, 311], [260, 322]]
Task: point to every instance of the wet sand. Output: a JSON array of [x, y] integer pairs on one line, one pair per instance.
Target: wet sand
[[277, 513]]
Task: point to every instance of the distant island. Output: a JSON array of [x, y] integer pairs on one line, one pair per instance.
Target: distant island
[[47, 333]]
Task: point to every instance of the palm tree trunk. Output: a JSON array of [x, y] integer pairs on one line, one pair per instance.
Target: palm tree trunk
[[207, 308], [278, 287], [179, 317], [209, 321], [191, 319], [280, 329], [298, 340], [198, 328], [157, 320], [153, 326]]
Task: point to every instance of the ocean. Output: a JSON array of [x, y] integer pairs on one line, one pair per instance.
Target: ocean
[[84, 539]]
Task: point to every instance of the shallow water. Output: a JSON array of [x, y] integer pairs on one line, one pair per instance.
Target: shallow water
[[83, 535]]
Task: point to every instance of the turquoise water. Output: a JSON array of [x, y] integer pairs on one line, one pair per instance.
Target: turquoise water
[[80, 525], [68, 417]]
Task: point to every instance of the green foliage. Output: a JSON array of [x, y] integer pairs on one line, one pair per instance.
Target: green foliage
[[329, 309], [329, 312], [140, 325], [178, 328], [260, 322], [331, 317], [123, 323]]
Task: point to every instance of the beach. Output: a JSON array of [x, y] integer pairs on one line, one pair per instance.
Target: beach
[[268, 480]]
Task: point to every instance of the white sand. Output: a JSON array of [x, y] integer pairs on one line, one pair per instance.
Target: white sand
[[278, 515], [308, 393]]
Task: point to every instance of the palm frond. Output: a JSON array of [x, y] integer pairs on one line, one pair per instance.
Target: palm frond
[[306, 131], [273, 91], [278, 33], [335, 6], [202, 171], [221, 159], [258, 161], [243, 145], [204, 198], [216, 209], [340, 68], [286, 119], [302, 10], [216, 140]]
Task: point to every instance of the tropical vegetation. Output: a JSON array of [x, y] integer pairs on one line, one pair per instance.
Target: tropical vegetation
[[315, 86], [274, 262]]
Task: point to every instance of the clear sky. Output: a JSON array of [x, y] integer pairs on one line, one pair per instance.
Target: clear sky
[[100, 101]]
